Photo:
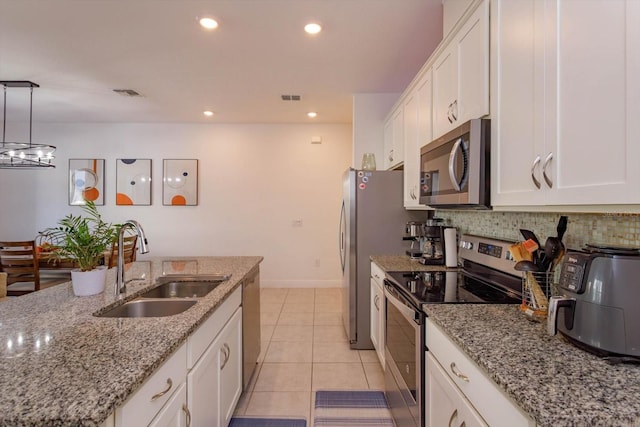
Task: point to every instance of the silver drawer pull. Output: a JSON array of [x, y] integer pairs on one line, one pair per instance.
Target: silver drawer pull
[[227, 352], [453, 416], [187, 413], [457, 373], [544, 170], [535, 164], [163, 392], [376, 299]]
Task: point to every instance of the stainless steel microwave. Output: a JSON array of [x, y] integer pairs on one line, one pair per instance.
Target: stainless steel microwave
[[454, 169]]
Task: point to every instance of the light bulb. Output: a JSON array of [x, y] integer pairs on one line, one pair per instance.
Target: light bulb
[[312, 28], [209, 23], [312, 114]]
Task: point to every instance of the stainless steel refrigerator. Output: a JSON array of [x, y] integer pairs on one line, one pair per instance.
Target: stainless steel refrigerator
[[372, 222]]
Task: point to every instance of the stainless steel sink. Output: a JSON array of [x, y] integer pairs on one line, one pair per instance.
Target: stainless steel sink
[[149, 308], [185, 286]]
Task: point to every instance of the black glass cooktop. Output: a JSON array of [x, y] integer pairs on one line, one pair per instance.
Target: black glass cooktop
[[451, 287]]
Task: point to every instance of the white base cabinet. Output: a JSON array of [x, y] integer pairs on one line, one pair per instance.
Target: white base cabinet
[[175, 412], [377, 311]]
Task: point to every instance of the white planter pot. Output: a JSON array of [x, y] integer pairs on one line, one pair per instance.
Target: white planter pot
[[87, 283]]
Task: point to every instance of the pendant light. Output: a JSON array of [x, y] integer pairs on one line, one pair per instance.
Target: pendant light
[[23, 155]]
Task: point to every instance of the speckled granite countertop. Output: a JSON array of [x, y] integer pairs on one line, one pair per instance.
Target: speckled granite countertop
[[404, 263], [62, 366], [556, 383]]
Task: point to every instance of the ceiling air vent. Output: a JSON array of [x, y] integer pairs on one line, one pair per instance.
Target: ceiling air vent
[[126, 92], [290, 97]]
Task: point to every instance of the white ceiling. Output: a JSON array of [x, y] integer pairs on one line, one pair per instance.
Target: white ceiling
[[79, 50]]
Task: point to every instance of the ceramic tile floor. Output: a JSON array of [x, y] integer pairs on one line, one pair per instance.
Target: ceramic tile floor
[[304, 348]]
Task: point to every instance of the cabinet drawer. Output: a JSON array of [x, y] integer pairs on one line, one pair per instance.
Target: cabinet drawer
[[205, 334], [140, 408], [491, 402], [377, 273]]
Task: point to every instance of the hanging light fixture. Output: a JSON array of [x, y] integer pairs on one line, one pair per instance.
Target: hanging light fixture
[[23, 154]]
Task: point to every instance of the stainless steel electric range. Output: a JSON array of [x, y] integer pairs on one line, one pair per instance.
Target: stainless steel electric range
[[486, 276]]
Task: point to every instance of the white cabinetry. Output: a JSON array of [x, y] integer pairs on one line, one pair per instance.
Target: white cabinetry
[[175, 412], [377, 310], [148, 402], [393, 140], [461, 75], [565, 105], [215, 382], [417, 132], [477, 399], [446, 405]]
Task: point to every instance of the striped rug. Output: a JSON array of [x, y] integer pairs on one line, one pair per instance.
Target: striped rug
[[267, 422], [351, 408]]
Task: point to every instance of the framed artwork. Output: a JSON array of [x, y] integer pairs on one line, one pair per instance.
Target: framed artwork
[[86, 181], [180, 182], [133, 182]]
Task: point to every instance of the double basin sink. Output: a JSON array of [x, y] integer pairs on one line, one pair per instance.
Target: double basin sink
[[175, 294]]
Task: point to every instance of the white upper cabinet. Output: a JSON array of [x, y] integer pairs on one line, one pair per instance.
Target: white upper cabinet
[[461, 75], [565, 105], [394, 140]]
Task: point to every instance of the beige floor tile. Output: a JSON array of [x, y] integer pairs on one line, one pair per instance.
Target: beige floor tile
[[332, 352], [292, 333], [284, 377], [328, 308], [264, 347], [272, 295], [323, 333], [280, 404], [294, 318], [369, 356], [375, 375], [327, 319], [339, 376], [287, 351], [267, 318], [328, 296], [271, 307], [298, 307], [300, 295]]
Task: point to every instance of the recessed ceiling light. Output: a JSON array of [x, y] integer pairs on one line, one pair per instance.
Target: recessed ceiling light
[[208, 113], [209, 23], [312, 28], [312, 114]]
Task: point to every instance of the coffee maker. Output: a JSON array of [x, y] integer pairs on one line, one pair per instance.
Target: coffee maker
[[414, 232], [433, 249]]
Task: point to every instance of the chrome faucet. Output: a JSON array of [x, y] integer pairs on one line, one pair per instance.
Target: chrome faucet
[[120, 283]]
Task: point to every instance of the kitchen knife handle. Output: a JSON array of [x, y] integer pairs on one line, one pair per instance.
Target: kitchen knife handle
[[535, 164], [544, 170]]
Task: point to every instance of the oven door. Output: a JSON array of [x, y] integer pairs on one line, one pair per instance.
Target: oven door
[[404, 359]]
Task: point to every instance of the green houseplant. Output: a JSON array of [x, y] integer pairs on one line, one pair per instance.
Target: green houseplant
[[84, 239]]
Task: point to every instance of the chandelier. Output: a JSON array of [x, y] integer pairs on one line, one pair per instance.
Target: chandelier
[[23, 155]]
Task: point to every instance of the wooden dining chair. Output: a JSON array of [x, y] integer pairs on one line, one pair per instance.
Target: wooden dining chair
[[130, 243], [20, 261]]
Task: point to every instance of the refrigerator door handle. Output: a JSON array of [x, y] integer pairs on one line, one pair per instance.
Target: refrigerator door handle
[[342, 237]]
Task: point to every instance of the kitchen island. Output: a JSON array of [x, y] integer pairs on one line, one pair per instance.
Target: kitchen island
[[62, 366]]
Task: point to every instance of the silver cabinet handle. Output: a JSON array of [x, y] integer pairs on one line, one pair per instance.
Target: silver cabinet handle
[[544, 170], [449, 114], [186, 411], [457, 373], [391, 155], [163, 392], [227, 352], [452, 162], [463, 424], [376, 276], [453, 416], [535, 164], [376, 300], [454, 111]]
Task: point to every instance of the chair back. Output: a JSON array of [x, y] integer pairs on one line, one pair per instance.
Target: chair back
[[129, 247], [20, 261]]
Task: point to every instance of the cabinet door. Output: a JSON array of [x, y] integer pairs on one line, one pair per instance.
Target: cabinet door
[[445, 404], [388, 144], [397, 149], [594, 108], [517, 123], [377, 319], [445, 90], [411, 152], [175, 412], [215, 382]]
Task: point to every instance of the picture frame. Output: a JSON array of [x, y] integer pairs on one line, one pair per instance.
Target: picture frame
[[133, 182], [86, 181], [180, 182]]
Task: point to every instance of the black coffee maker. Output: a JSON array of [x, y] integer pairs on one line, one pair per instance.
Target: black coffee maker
[[433, 250]]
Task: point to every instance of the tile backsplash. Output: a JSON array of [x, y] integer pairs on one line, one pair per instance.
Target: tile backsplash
[[610, 228]]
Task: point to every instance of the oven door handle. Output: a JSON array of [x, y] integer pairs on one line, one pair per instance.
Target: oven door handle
[[394, 297]]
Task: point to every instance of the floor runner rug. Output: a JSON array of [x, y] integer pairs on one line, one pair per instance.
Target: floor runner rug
[[351, 408], [267, 422]]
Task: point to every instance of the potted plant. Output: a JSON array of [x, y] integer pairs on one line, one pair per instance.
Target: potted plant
[[83, 239]]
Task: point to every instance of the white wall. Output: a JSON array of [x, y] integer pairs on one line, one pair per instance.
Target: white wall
[[369, 112], [254, 181]]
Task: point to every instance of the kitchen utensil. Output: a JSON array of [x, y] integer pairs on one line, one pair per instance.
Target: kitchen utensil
[[562, 227], [530, 235], [552, 248], [525, 265]]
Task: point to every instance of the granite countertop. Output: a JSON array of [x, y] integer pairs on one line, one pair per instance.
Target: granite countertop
[[556, 383], [60, 365], [404, 263]]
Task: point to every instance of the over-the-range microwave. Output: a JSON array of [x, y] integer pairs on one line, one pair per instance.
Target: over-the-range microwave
[[455, 170]]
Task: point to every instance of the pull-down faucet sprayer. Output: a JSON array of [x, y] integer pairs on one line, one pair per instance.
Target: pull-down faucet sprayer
[[120, 286]]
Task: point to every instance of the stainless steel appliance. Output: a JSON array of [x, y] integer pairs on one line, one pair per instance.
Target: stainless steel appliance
[[487, 276], [371, 223], [598, 310], [414, 232], [455, 168], [250, 324], [433, 252]]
